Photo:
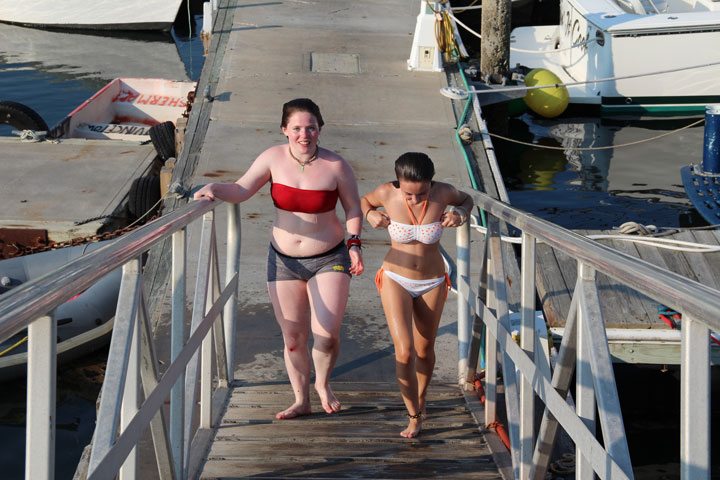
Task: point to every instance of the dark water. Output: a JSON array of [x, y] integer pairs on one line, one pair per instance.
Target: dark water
[[601, 189], [52, 73]]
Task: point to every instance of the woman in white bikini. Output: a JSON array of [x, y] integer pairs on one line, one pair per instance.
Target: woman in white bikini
[[309, 260], [412, 282]]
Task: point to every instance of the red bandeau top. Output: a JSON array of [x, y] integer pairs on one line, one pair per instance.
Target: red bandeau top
[[304, 201]]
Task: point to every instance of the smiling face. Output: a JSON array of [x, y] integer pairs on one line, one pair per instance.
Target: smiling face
[[303, 131], [414, 192]]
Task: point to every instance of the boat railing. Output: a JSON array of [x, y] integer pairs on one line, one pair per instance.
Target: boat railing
[[584, 351], [133, 392]]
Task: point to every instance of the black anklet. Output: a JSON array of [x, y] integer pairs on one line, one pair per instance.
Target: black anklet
[[414, 417]]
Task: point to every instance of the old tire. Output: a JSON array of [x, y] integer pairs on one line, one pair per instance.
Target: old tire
[[143, 197], [21, 116], [163, 139]]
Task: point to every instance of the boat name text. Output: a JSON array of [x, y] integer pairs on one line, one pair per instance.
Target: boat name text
[[120, 129], [143, 99]]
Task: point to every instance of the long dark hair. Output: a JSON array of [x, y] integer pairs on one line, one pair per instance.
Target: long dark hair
[[414, 167], [301, 105]]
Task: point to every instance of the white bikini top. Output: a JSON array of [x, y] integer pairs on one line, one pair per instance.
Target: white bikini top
[[404, 233]]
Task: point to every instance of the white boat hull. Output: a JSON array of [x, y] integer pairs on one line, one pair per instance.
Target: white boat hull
[[97, 15], [84, 322], [621, 45]]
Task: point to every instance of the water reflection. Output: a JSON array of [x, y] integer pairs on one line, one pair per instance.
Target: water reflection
[[53, 72], [579, 184]]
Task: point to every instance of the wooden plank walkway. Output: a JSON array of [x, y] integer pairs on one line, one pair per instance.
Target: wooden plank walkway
[[362, 441], [624, 308]]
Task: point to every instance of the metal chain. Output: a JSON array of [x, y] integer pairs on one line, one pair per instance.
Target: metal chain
[[21, 250]]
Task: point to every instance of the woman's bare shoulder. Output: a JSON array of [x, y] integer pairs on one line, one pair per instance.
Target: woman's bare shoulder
[[443, 188], [274, 151], [386, 189]]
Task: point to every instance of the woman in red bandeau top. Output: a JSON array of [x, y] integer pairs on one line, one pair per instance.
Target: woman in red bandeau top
[[309, 261]]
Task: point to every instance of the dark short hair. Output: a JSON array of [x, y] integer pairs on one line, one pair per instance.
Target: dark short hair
[[414, 167], [301, 105]]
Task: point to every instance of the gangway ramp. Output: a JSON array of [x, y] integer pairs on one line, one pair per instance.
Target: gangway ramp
[[362, 441]]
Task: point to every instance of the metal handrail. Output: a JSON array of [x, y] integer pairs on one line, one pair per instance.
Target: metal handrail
[[24, 304], [676, 291], [584, 350], [132, 359]]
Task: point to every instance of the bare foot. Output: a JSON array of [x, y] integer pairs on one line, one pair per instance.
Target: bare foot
[[329, 401], [295, 410], [413, 428]]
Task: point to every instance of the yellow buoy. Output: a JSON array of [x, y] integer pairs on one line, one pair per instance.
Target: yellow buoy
[[548, 102]]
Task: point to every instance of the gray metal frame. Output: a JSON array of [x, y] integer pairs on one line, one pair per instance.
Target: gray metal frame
[[584, 350], [132, 367]]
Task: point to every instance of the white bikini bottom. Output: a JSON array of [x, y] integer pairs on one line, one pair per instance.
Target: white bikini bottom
[[414, 287]]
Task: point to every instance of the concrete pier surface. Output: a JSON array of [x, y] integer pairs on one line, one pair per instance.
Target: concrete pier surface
[[351, 59]]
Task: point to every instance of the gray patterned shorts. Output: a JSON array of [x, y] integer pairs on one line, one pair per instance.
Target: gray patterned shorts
[[284, 267]]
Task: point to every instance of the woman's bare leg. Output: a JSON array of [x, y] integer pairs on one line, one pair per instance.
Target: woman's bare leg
[[292, 311], [397, 304], [427, 311], [328, 293]]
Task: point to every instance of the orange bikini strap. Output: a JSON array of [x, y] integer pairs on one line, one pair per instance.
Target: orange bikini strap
[[422, 214]]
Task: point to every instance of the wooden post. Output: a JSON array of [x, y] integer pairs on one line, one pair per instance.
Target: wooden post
[[206, 31], [180, 126], [166, 176], [495, 56], [495, 44]]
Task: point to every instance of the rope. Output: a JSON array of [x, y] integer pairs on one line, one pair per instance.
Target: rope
[[599, 80], [444, 35], [564, 466], [665, 243], [30, 135], [548, 147], [464, 26], [554, 50], [14, 346], [149, 210], [466, 7], [93, 219], [633, 227], [511, 48]]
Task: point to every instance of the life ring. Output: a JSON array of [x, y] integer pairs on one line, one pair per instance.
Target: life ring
[[163, 139], [143, 197], [21, 117]]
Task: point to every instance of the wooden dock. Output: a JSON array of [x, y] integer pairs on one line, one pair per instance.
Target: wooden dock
[[624, 308], [362, 441], [68, 188]]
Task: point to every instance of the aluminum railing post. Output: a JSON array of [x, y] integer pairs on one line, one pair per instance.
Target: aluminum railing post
[[491, 344], [585, 392], [206, 351], [41, 388], [462, 242], [231, 268], [694, 401], [131, 391], [177, 342], [527, 343]]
